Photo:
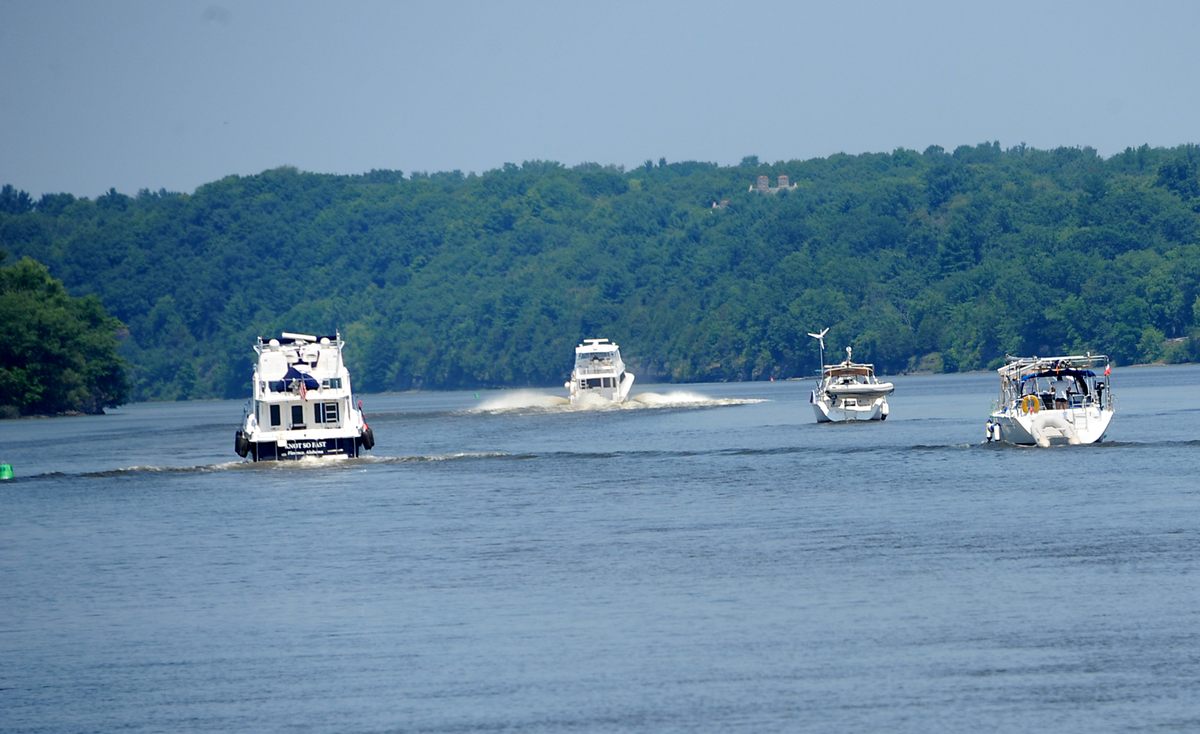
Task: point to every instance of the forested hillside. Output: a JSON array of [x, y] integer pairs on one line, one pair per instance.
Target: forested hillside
[[935, 260]]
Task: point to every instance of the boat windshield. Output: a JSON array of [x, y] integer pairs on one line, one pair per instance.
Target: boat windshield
[[848, 374], [587, 358]]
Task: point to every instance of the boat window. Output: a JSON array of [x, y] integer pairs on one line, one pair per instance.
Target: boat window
[[297, 415], [325, 413], [334, 383], [593, 357], [275, 415]]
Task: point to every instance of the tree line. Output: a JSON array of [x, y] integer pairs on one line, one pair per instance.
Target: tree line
[[60, 353], [935, 260]]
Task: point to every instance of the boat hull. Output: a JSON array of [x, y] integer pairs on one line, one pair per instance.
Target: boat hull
[[1061, 427], [593, 395], [294, 449], [845, 409]]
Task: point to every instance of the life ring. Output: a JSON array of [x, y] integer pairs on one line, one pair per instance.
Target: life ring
[[1030, 404]]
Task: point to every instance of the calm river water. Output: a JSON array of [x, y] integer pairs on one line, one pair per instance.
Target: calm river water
[[708, 559]]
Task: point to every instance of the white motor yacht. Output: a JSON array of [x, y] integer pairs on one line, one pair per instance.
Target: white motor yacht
[[599, 373], [302, 404]]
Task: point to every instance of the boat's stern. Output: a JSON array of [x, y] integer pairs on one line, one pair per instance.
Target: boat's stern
[[1045, 428], [842, 409]]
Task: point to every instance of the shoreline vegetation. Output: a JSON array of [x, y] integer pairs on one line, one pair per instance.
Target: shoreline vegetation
[[924, 262], [60, 353]]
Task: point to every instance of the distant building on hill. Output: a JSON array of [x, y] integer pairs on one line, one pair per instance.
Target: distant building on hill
[[763, 185]]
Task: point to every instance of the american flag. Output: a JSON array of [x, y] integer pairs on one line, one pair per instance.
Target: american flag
[[303, 390]]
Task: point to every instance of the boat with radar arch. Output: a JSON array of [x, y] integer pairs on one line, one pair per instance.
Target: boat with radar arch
[[1049, 401], [302, 402]]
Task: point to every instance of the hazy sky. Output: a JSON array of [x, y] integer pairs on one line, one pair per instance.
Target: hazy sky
[[134, 94]]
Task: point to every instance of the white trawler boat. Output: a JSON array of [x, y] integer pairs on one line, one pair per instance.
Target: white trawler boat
[[849, 390], [599, 373], [1046, 401], [302, 404]]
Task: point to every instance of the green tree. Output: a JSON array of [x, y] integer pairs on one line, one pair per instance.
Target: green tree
[[60, 353], [931, 260]]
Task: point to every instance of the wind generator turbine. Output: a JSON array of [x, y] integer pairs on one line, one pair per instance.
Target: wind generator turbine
[[821, 339]]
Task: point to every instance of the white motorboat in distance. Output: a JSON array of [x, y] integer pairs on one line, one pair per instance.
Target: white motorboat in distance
[[1048, 401], [849, 390], [302, 404], [599, 373]]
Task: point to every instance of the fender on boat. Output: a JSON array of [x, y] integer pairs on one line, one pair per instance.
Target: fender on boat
[[241, 444]]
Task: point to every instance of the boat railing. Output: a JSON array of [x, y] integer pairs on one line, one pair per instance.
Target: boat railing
[[594, 367], [1047, 401]]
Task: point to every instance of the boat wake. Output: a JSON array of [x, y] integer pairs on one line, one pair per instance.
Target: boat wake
[[529, 401], [522, 400], [685, 399], [308, 463], [316, 463], [458, 456], [149, 469]]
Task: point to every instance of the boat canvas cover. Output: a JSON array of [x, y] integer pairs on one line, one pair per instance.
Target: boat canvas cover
[[290, 378], [1059, 373], [862, 370]]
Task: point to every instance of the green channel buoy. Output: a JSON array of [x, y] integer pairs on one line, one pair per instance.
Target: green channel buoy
[[6, 471]]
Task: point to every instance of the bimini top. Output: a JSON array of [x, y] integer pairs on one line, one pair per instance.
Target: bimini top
[[849, 369], [1075, 365]]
